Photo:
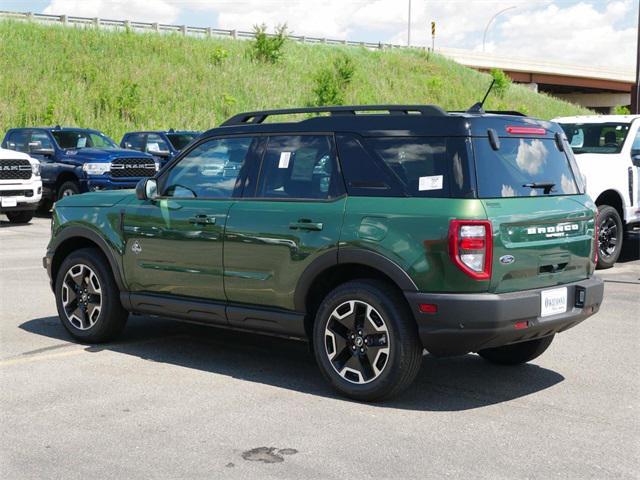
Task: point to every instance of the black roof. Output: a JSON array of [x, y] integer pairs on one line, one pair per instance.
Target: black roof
[[381, 120], [171, 130]]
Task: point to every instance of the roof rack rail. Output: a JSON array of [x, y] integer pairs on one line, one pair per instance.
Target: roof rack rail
[[261, 116]]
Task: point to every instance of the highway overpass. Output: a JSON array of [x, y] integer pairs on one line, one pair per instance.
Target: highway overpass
[[595, 87]]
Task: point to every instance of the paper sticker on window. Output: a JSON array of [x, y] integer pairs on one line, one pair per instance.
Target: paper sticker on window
[[430, 183], [153, 147], [82, 142], [284, 159]]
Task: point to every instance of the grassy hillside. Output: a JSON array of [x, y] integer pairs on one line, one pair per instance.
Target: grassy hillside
[[118, 81]]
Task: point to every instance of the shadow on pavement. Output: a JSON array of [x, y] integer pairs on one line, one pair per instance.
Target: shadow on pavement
[[451, 384]]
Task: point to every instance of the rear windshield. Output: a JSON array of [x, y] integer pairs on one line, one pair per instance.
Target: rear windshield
[[600, 138], [522, 167], [424, 166]]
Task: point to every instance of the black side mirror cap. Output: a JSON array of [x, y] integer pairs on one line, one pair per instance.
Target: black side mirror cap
[[635, 159]]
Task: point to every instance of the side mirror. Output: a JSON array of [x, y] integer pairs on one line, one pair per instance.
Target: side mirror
[[36, 148], [147, 189]]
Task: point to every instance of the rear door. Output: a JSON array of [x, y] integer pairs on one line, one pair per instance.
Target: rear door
[[543, 226], [292, 216]]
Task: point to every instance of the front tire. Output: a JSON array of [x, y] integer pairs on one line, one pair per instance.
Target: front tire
[[517, 353], [610, 234], [67, 189], [366, 341], [20, 217], [88, 298]]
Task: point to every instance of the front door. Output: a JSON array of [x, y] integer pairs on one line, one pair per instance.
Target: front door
[[294, 216], [174, 242]]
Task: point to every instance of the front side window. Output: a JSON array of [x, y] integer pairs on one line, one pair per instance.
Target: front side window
[[77, 139], [156, 144], [299, 167], [134, 141], [635, 147], [522, 167], [19, 141], [211, 170], [600, 138]]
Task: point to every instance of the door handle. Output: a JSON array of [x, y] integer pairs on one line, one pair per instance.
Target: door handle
[[203, 220], [306, 224]]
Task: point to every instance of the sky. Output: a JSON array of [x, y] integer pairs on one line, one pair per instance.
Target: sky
[[593, 32]]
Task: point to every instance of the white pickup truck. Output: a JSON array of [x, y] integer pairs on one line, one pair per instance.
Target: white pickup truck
[[20, 185], [607, 149]]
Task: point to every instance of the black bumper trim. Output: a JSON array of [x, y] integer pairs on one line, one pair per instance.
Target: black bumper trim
[[470, 322]]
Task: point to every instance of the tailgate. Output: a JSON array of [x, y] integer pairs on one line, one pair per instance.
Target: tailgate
[[540, 242]]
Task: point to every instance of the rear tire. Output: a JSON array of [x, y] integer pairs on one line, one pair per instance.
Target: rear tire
[[517, 353], [67, 189], [610, 234], [366, 341], [20, 217], [88, 298]]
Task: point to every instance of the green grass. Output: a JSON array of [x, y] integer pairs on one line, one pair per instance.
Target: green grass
[[120, 81]]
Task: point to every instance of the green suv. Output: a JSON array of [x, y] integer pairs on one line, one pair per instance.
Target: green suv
[[374, 232]]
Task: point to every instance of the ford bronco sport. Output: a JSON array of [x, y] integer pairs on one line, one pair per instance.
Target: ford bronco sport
[[375, 232], [76, 160]]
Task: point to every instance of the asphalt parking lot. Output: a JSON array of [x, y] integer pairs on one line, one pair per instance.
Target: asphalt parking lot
[[172, 400]]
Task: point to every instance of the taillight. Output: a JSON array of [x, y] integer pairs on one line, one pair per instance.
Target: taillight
[[526, 130], [595, 240], [471, 247]]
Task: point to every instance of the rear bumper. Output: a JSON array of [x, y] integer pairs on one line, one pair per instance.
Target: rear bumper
[[470, 322]]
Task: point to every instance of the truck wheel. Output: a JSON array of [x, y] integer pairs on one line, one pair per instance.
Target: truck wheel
[[517, 353], [610, 235], [44, 206], [366, 342], [20, 217], [67, 189], [88, 298]]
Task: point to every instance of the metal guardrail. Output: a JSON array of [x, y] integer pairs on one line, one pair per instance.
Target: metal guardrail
[[180, 29]]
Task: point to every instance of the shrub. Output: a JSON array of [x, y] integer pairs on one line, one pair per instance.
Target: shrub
[[502, 82], [331, 83], [268, 48], [621, 110], [218, 55]]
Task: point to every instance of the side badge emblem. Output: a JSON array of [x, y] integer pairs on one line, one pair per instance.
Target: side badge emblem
[[136, 248], [507, 259]]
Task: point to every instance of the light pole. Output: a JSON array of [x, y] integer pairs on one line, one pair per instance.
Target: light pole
[[486, 29], [409, 26]]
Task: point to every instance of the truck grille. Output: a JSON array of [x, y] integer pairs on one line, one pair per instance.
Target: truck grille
[[16, 193], [15, 170], [133, 167]]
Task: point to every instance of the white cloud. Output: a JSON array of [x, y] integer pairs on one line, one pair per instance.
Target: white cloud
[[595, 32], [161, 11]]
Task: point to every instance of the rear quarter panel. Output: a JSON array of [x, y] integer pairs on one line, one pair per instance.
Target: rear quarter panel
[[413, 233]]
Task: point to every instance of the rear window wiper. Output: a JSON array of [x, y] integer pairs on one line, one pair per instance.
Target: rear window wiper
[[547, 186]]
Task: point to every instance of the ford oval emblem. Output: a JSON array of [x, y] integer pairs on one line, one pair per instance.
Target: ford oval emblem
[[507, 259]]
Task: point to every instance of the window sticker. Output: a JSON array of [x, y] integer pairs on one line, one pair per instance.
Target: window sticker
[[284, 159], [430, 183], [153, 147], [82, 142]]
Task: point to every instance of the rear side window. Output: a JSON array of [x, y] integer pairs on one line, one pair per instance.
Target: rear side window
[[522, 167], [300, 167], [19, 141], [425, 166]]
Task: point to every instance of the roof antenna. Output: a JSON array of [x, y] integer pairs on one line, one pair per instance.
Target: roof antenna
[[477, 107]]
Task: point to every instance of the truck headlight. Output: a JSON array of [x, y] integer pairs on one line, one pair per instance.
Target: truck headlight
[[35, 169], [96, 168]]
